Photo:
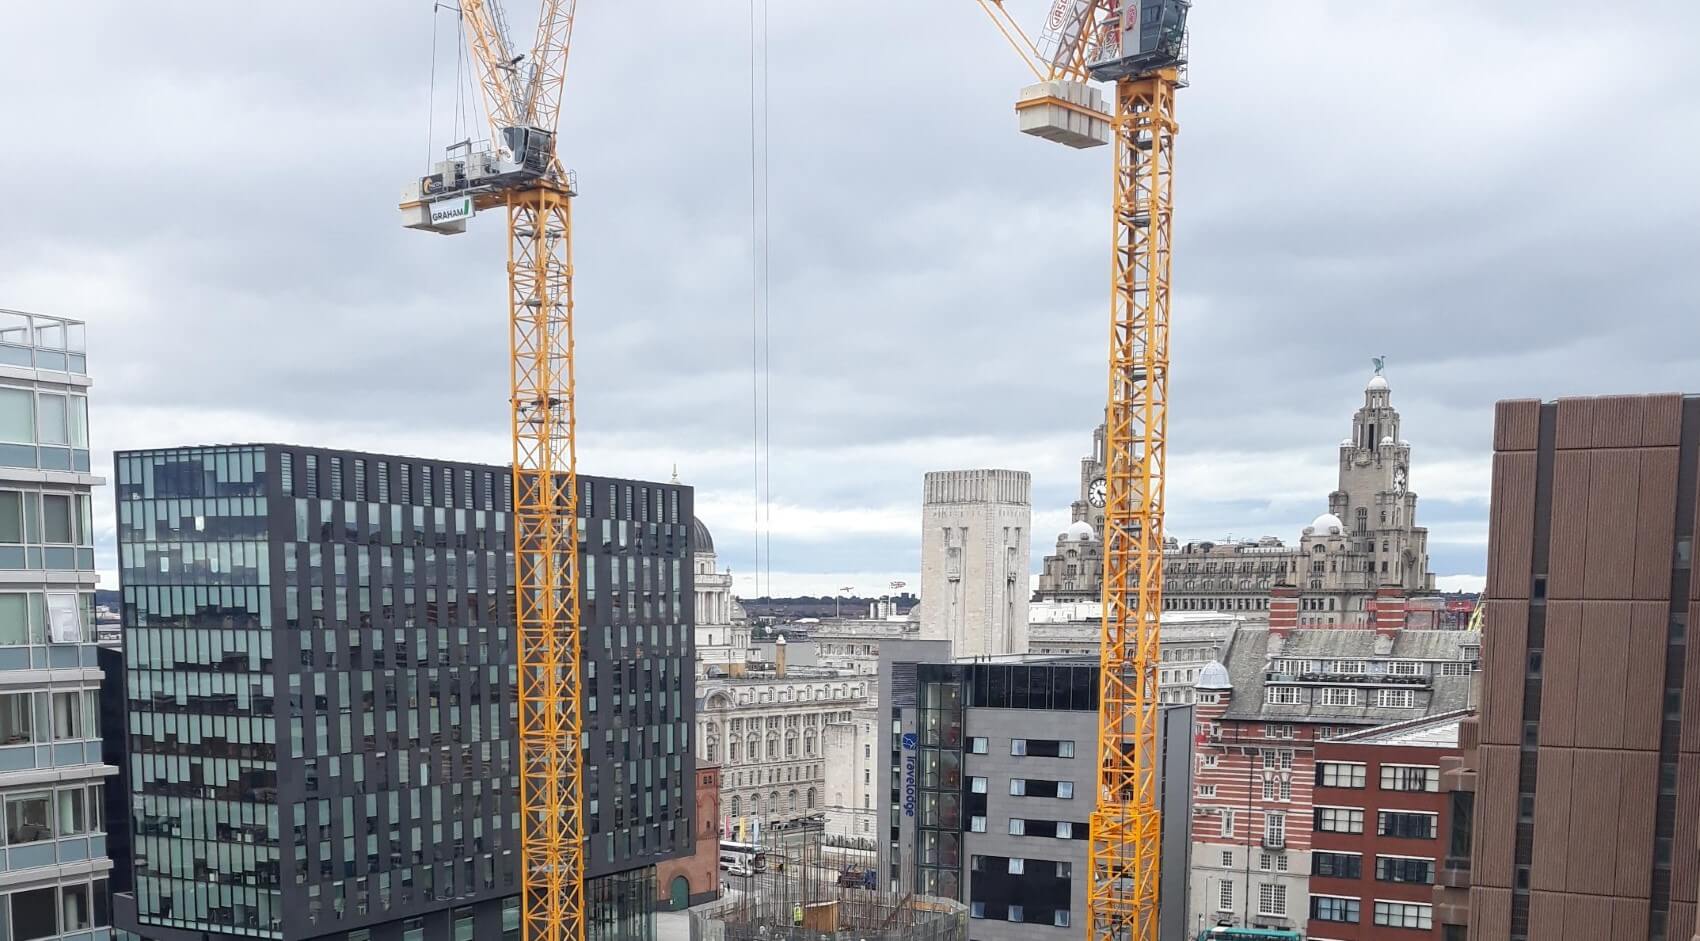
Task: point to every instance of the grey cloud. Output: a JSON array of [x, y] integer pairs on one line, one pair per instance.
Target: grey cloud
[[1457, 186]]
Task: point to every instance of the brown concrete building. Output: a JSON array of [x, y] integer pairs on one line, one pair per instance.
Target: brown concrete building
[[1588, 789], [1458, 783], [1380, 831], [695, 879]]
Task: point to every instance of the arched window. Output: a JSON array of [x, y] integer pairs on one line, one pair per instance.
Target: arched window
[[737, 806], [755, 805], [810, 797], [793, 800], [773, 802], [711, 749]]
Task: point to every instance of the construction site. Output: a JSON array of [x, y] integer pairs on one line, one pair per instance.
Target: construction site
[[1137, 48], [351, 693], [808, 891]]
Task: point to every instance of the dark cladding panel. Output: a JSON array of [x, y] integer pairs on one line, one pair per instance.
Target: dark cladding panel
[[1610, 561], [1661, 425], [1618, 420], [1490, 913], [1595, 787], [1637, 801], [1691, 683], [1586, 918], [1546, 914], [1511, 547], [1569, 547], [1629, 919], [1496, 817], [1517, 425], [1561, 665], [1600, 675], [1685, 868], [1643, 692], [1551, 859], [1575, 428], [1504, 659], [1655, 523], [1682, 920]]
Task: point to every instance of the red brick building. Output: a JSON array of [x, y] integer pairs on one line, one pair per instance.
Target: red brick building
[[694, 879], [1380, 831], [1261, 715]]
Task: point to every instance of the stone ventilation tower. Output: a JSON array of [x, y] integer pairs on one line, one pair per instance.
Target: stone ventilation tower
[[975, 536]]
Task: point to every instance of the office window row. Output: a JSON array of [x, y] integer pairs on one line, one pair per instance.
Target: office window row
[[47, 814], [1019, 914], [46, 617], [1039, 787], [1339, 820], [1407, 824], [1060, 829], [29, 914], [49, 430], [1335, 908], [1040, 748], [42, 716], [1018, 866]]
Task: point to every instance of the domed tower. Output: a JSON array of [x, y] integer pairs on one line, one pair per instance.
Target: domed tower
[[721, 632], [1374, 500]]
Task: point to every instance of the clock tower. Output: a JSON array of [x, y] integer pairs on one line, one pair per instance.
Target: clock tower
[[1374, 500], [1089, 508]]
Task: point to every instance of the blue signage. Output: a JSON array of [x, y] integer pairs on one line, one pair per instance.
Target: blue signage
[[909, 741], [909, 795]]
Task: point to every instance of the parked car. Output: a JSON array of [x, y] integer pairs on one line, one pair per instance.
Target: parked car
[[738, 869]]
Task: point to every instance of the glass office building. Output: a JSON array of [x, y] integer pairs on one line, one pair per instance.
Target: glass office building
[[53, 865], [321, 697]]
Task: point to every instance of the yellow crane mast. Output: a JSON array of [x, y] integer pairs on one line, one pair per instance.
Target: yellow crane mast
[[517, 168], [1140, 47]]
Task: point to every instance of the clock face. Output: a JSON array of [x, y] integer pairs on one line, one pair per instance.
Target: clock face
[[1399, 479], [1097, 492]]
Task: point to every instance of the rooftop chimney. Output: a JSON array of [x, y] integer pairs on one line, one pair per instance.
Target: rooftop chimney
[[1388, 617], [1283, 616]]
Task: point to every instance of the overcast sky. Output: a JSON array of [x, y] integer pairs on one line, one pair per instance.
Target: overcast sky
[[1500, 197]]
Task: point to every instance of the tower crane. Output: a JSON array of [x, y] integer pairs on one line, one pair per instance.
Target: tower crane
[[517, 169], [1140, 47]]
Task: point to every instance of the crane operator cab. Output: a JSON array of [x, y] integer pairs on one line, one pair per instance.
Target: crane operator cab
[[1146, 35], [443, 200]]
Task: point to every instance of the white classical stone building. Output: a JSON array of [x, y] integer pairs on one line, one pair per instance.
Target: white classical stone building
[[1367, 538], [768, 735], [722, 630], [852, 808], [852, 645], [975, 537], [1190, 639]]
